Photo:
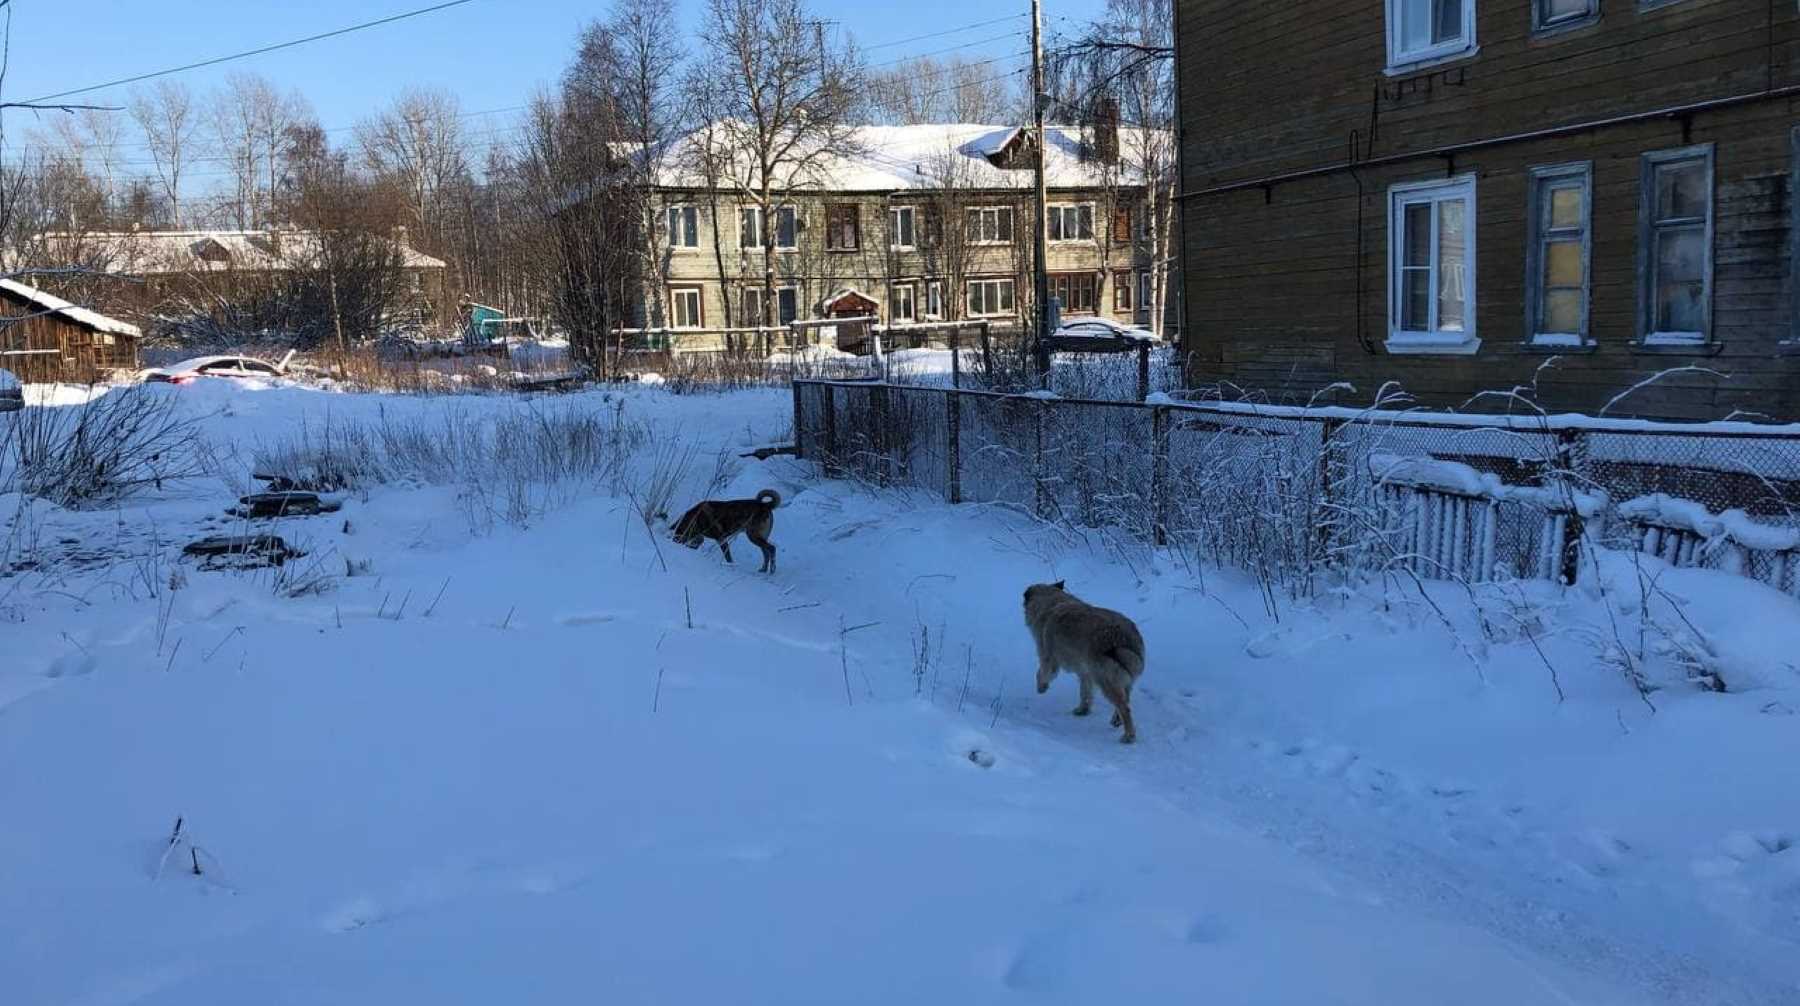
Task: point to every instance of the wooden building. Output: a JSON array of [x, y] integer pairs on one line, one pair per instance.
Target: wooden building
[[1448, 194], [46, 339]]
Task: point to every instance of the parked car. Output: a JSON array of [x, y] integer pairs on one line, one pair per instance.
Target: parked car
[[1099, 335], [218, 366], [12, 393]]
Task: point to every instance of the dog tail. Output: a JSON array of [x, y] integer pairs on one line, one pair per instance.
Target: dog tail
[[769, 498], [1129, 659]]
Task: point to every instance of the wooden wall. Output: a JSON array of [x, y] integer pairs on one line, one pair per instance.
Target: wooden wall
[[1287, 286], [60, 351]]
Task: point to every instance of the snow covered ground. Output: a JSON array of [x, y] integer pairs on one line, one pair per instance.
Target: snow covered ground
[[531, 752]]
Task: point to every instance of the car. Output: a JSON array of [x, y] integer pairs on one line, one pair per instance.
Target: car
[[12, 393], [1100, 335], [240, 367]]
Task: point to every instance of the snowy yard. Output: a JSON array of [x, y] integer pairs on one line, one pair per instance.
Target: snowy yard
[[530, 751]]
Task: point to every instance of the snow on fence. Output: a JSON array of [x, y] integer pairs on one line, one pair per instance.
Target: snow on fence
[[1286, 492]]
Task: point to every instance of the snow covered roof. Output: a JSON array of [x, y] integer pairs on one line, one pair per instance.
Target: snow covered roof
[[142, 253], [50, 304], [891, 158]]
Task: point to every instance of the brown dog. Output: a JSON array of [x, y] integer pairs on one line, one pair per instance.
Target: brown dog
[[721, 520]]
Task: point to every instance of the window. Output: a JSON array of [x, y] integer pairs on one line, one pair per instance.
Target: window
[[843, 228], [1557, 284], [1422, 30], [1556, 15], [787, 305], [1675, 247], [990, 297], [1431, 267], [1145, 292], [1075, 291], [932, 226], [750, 229], [684, 227], [684, 306], [903, 303], [1121, 223], [934, 299], [991, 224], [1121, 291], [1072, 223], [900, 227]]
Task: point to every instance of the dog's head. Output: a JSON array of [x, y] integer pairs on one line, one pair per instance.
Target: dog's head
[[1038, 598], [1038, 592]]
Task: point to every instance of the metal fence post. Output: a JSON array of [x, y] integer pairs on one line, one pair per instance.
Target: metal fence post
[[1569, 448], [799, 427], [1143, 371], [953, 428], [878, 402], [1328, 431], [831, 437], [1041, 499], [1159, 473]]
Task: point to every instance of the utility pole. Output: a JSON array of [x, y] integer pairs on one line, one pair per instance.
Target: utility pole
[[1039, 253]]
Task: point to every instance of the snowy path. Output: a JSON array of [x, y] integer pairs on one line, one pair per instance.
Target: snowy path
[[552, 788]]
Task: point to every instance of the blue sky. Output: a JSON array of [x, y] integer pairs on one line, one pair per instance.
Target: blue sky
[[492, 53]]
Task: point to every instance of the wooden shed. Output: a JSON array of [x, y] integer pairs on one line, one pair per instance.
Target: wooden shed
[[44, 338]]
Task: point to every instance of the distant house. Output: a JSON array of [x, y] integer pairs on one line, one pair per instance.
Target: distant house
[[44, 338], [200, 266], [920, 223], [1448, 193]]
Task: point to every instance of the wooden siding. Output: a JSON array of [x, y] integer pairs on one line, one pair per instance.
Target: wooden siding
[[45, 348], [1287, 287]]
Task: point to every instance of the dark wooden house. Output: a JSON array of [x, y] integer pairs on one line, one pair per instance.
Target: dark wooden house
[[44, 338], [1449, 193]]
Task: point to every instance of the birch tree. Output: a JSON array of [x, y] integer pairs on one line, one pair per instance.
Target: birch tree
[[786, 104], [417, 144], [168, 119]]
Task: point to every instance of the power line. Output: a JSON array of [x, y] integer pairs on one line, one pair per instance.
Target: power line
[[390, 19], [941, 34]]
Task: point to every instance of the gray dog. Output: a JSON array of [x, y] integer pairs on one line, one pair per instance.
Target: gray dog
[[1101, 647]]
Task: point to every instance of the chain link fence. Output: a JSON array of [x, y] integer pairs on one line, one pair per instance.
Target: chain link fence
[[1286, 492]]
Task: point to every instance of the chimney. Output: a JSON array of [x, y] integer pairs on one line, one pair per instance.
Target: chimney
[[1106, 130]]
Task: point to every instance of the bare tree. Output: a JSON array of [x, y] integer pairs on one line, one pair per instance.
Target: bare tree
[[927, 90], [784, 108], [167, 116], [629, 62], [1129, 54], [417, 144]]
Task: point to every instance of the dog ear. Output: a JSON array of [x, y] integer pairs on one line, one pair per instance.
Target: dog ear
[[1060, 585]]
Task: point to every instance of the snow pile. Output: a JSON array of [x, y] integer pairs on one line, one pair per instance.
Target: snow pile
[[1461, 479], [1693, 517]]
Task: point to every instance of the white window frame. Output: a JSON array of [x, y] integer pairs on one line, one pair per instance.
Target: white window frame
[[1145, 279], [751, 218], [934, 295], [981, 213], [1542, 180], [692, 213], [1543, 24], [676, 294], [908, 294], [1060, 214], [895, 213], [1403, 60], [1650, 163], [753, 312], [1438, 339], [995, 282]]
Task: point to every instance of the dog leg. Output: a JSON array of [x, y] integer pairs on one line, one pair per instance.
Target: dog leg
[[759, 539], [1087, 697], [1121, 703], [725, 547]]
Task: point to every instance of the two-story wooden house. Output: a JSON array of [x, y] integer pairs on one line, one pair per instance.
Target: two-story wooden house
[[907, 224], [1449, 193]]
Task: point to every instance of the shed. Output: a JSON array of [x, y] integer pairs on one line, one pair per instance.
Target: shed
[[44, 338]]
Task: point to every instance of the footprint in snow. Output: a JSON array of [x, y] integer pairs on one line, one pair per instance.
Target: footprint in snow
[[352, 915], [587, 618]]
